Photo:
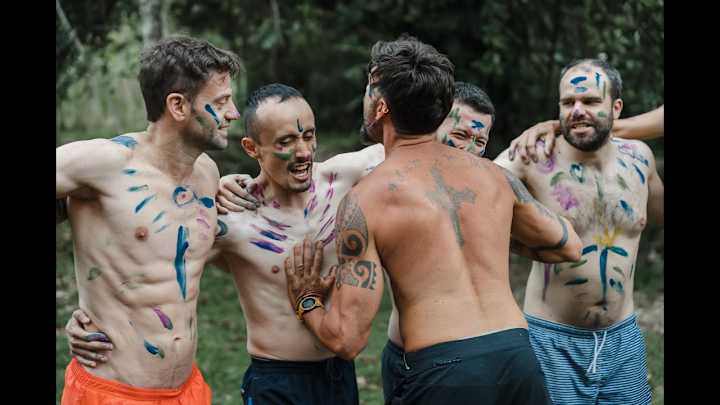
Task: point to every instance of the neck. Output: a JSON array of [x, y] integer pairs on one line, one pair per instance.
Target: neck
[[285, 197], [394, 141], [169, 152], [593, 157]]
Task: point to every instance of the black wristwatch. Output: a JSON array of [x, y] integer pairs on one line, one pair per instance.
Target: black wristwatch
[[307, 304]]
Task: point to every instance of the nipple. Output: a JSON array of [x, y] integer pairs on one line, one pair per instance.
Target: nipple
[[141, 233]]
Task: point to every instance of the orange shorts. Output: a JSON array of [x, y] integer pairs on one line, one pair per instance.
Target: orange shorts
[[83, 388]]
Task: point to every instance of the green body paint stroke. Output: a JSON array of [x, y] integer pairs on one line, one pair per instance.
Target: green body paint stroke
[[203, 124], [619, 270], [557, 269], [578, 264], [601, 195], [621, 182], [454, 114], [602, 114], [577, 281], [556, 177], [94, 273], [284, 155]]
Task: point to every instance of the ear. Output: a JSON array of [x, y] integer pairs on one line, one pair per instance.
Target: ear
[[177, 106], [381, 109], [617, 108], [250, 147]]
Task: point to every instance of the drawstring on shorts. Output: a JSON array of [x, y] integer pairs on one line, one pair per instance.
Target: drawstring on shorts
[[596, 352]]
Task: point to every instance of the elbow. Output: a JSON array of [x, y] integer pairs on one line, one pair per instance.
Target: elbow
[[348, 349]]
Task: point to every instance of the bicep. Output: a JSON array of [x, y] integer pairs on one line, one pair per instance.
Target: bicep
[[356, 164], [79, 164]]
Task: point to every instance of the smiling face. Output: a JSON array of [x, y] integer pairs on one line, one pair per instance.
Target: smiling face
[[287, 142], [586, 107], [465, 128], [212, 111]]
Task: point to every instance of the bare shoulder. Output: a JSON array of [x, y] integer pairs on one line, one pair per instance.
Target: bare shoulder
[[207, 166], [635, 149], [98, 154], [357, 164]]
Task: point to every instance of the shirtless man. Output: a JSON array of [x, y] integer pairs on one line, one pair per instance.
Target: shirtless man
[[417, 215], [141, 207], [581, 313]]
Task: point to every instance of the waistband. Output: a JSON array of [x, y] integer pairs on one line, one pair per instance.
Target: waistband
[[296, 366], [454, 351], [395, 349], [136, 393], [577, 331]]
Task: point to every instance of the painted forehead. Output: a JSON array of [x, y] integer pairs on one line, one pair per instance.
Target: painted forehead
[[291, 116], [583, 79], [474, 118]]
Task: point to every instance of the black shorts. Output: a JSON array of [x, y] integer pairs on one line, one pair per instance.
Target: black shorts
[[392, 362], [326, 382], [498, 368]]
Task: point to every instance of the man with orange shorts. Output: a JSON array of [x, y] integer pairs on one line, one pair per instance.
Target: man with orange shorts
[[142, 211]]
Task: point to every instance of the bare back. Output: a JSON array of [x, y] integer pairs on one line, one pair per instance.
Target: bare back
[[140, 241], [441, 221]]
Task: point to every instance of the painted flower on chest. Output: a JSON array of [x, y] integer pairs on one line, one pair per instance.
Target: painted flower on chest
[[564, 197]]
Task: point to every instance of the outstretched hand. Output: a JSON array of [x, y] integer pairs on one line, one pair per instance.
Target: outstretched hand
[[303, 273], [539, 135]]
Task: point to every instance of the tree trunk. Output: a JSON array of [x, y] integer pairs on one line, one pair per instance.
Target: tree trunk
[[151, 21]]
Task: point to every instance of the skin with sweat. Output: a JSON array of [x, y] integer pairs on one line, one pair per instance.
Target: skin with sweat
[[143, 219]]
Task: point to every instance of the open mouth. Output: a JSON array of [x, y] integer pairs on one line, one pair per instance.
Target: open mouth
[[301, 172], [581, 127]]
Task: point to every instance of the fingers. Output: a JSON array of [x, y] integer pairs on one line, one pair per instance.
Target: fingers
[[227, 204], [221, 210], [240, 193], [297, 260], [76, 344], [317, 260], [90, 357], [289, 270], [81, 316], [84, 361], [307, 256], [549, 144], [530, 145], [511, 149]]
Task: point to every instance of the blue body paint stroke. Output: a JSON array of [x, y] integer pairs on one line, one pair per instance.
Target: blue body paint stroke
[[181, 189], [627, 208], [143, 203], [207, 202], [152, 349], [450, 143], [580, 89], [209, 109], [129, 172], [577, 79], [477, 125], [603, 272], [622, 163], [577, 281], [125, 141], [223, 229], [272, 235], [160, 215], [597, 79], [640, 173], [618, 250], [267, 246], [182, 246], [617, 285], [588, 249], [138, 188], [300, 128], [162, 228]]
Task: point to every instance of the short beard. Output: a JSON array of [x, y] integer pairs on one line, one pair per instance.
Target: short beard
[[592, 143]]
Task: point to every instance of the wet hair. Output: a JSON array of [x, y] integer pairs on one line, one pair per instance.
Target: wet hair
[[257, 97], [475, 98], [612, 74], [180, 65], [416, 81]]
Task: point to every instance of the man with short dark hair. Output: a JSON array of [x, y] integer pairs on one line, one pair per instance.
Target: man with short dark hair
[[581, 313], [142, 211], [468, 124], [416, 216]]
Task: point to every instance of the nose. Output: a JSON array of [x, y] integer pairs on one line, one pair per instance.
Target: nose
[[577, 110], [304, 150], [232, 113]]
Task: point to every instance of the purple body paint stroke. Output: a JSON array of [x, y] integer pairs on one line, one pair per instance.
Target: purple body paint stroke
[[311, 205], [577, 79], [546, 274], [143, 203], [162, 228], [138, 188], [181, 248], [324, 227], [209, 109], [312, 187], [160, 215], [322, 217], [564, 197], [546, 166], [164, 319], [203, 222], [270, 234], [332, 178], [330, 237], [275, 204], [263, 244], [330, 193], [129, 172], [276, 224], [97, 337]]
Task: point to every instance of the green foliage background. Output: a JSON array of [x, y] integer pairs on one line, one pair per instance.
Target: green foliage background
[[514, 49]]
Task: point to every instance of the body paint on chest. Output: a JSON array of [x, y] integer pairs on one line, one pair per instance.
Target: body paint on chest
[[151, 348], [164, 319], [270, 234], [138, 188], [181, 248], [143, 203], [577, 171], [129, 172], [640, 173], [324, 227], [263, 244], [276, 224], [310, 206], [627, 209], [605, 244], [564, 197]]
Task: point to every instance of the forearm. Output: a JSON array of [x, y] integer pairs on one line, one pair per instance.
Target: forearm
[[645, 126], [336, 337]]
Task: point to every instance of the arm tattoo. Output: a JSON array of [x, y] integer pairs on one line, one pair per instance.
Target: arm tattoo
[[60, 210], [523, 196], [351, 245]]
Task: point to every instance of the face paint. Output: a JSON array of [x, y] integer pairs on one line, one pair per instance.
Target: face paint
[[125, 141], [284, 155], [477, 125], [577, 79], [181, 248], [94, 273], [138, 188], [262, 244], [164, 319], [209, 109], [580, 89], [597, 80], [454, 114], [602, 114], [143, 203], [299, 127]]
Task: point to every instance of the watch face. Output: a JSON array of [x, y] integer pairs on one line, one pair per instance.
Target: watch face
[[308, 303]]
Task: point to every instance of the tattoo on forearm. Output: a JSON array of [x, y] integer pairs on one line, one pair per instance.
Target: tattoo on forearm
[[563, 240], [60, 210]]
